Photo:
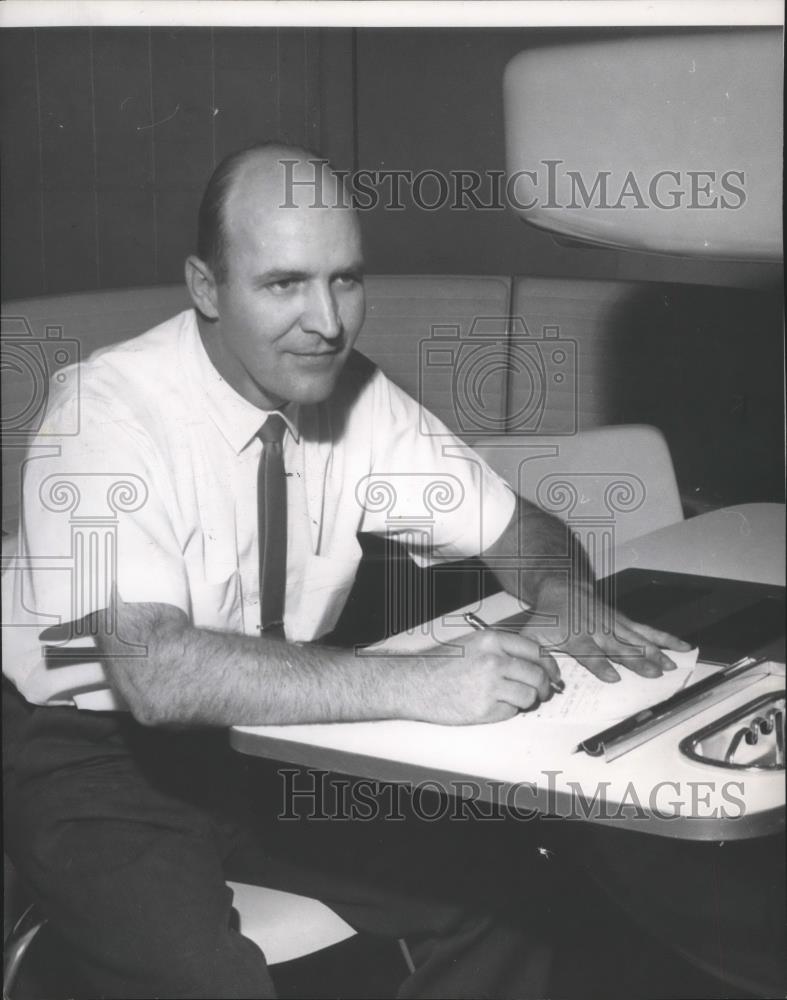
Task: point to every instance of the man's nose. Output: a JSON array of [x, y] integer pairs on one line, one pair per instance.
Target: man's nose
[[321, 315]]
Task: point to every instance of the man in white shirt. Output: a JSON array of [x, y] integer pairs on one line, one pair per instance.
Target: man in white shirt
[[127, 811]]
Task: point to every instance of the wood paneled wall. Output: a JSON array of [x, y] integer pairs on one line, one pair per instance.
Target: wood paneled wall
[[111, 133]]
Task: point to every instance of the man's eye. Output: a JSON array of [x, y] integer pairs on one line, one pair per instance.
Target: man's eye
[[283, 285], [348, 279]]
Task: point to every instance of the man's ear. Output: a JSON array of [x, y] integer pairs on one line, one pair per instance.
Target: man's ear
[[202, 287]]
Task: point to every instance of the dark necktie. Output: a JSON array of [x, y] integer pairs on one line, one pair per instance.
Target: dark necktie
[[272, 524]]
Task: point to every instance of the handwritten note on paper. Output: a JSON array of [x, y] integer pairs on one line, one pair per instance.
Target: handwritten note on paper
[[587, 699]]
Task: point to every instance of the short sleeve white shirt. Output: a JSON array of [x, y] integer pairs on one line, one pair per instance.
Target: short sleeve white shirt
[[155, 495]]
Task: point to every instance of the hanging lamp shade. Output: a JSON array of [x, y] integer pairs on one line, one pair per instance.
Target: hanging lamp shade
[[669, 143]]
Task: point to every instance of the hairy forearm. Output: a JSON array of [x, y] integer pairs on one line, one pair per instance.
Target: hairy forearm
[[536, 549], [193, 676]]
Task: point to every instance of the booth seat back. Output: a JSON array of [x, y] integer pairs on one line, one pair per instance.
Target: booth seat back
[[41, 335], [611, 484], [444, 339], [405, 317], [575, 326], [488, 354]]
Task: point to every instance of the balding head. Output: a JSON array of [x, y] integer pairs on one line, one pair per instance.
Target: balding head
[[278, 282], [264, 177]]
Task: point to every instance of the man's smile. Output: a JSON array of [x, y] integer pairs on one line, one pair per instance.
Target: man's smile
[[316, 357]]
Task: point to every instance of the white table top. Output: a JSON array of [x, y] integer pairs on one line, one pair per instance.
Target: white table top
[[654, 788]]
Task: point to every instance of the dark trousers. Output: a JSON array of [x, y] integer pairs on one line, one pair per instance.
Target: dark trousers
[[126, 835]]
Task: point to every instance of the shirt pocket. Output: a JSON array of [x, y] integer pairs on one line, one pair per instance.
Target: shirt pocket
[[316, 597]]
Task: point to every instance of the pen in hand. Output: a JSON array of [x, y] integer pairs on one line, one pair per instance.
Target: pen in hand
[[480, 625]]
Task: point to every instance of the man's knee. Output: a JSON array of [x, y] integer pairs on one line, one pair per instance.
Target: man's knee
[[131, 951], [142, 913], [228, 966]]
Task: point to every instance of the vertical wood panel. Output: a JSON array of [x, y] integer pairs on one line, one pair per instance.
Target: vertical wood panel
[[292, 87], [124, 161], [177, 231], [22, 271], [122, 88], [67, 156], [126, 237], [245, 88], [182, 130], [70, 239], [132, 122], [182, 112], [22, 257], [66, 108], [19, 108], [312, 73], [337, 138]]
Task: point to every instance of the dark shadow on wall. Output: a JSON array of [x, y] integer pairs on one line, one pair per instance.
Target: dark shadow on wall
[[701, 363], [705, 366]]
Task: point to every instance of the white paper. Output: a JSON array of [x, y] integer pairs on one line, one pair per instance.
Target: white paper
[[587, 699]]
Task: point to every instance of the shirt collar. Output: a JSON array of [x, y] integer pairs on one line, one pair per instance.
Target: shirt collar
[[236, 418]]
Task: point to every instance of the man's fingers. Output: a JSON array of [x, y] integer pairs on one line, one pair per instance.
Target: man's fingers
[[631, 645], [664, 640], [528, 673], [521, 696], [638, 652], [625, 646], [523, 648], [638, 656], [593, 659]]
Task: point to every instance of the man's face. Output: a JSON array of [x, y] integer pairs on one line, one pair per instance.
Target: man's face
[[293, 301]]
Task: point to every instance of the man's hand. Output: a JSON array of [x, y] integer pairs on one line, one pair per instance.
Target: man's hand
[[595, 634], [192, 676], [498, 674], [583, 626]]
